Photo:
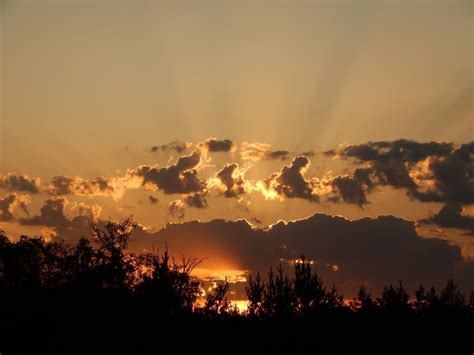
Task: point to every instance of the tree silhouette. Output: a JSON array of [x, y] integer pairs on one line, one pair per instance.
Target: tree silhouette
[[255, 295], [394, 301], [167, 282], [217, 302], [309, 288], [113, 263], [279, 297], [364, 304]]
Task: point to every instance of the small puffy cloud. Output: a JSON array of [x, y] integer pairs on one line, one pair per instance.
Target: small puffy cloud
[[254, 151], [196, 200], [52, 214], [175, 146], [353, 189], [75, 185], [85, 214], [261, 151], [451, 216], [176, 209], [9, 203], [291, 183], [179, 178], [19, 183], [215, 145], [153, 200], [277, 155], [232, 179], [113, 187]]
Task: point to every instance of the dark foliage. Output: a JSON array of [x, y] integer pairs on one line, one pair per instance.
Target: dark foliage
[[95, 296]]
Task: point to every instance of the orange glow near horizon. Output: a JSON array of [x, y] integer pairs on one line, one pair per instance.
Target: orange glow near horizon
[[232, 276]]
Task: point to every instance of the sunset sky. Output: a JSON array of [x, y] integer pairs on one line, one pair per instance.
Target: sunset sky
[[247, 132]]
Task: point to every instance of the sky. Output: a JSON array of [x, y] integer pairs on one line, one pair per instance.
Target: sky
[[247, 132]]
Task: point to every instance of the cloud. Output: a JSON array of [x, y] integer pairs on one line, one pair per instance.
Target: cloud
[[19, 183], [75, 185], [231, 177], [153, 200], [400, 150], [366, 251], [254, 151], [86, 215], [261, 151], [196, 200], [113, 187], [175, 146], [176, 209], [453, 176], [450, 216], [179, 178], [290, 182], [214, 145], [9, 203], [353, 189], [52, 215], [277, 155], [430, 172]]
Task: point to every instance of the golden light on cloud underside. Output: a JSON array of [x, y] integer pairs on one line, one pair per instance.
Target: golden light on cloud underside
[[421, 174], [229, 275], [267, 191], [254, 151]]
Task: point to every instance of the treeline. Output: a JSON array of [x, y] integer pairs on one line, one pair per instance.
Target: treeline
[[102, 264], [52, 292]]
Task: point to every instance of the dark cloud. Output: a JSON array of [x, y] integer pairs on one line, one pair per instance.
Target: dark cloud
[[175, 146], [262, 151], [277, 155], [290, 182], [454, 176], [330, 153], [350, 253], [196, 200], [179, 178], [353, 189], [19, 183], [9, 203], [430, 172], [234, 184], [400, 150], [153, 200], [52, 215], [176, 209], [450, 216], [67, 185], [218, 145]]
